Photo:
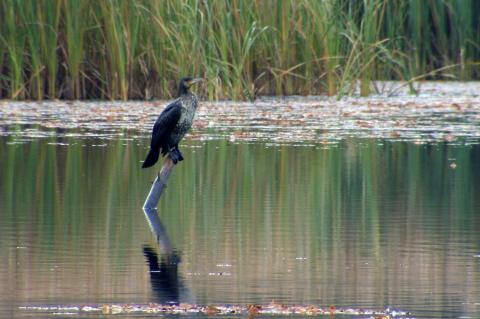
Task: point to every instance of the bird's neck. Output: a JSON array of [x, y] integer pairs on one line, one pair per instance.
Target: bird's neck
[[182, 91]]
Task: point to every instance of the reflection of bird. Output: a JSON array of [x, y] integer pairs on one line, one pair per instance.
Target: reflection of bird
[[163, 276], [172, 124]]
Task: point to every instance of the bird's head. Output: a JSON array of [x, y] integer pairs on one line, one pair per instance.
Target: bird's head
[[186, 83]]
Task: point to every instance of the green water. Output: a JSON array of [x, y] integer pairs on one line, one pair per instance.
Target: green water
[[363, 223]]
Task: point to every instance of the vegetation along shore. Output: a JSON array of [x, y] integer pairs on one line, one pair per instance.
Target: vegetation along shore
[[137, 49]]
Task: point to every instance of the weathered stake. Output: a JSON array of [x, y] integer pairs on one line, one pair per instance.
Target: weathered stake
[[150, 207], [159, 185]]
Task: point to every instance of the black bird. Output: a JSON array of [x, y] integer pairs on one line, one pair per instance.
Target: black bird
[[172, 124]]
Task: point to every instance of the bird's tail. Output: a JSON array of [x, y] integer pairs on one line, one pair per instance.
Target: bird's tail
[[152, 157]]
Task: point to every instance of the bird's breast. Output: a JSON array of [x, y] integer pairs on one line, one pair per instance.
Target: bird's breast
[[189, 105]]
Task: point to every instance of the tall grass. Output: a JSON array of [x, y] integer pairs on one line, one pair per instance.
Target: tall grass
[[136, 49], [75, 27], [12, 38]]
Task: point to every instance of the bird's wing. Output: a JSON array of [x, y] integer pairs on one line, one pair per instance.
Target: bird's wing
[[165, 123]]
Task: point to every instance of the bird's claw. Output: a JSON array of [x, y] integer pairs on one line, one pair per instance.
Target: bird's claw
[[175, 155]]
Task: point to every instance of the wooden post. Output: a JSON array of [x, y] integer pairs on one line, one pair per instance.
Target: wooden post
[[159, 185], [150, 207]]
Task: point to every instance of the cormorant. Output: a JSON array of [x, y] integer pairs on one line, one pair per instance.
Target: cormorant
[[172, 124]]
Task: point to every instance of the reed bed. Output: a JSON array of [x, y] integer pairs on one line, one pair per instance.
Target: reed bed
[[137, 49]]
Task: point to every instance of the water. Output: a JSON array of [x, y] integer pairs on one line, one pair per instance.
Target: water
[[447, 111], [366, 223]]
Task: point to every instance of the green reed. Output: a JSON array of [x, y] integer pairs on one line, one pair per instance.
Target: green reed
[[12, 38], [75, 16], [137, 49]]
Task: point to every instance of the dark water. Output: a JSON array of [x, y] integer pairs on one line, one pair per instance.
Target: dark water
[[363, 223]]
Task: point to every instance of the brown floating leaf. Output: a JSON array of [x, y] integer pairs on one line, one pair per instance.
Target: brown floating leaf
[[200, 124], [312, 310], [105, 309], [253, 309], [456, 106], [332, 310], [184, 306], [364, 124], [449, 138], [397, 124], [211, 310]]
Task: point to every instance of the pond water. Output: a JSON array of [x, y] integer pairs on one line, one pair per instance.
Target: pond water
[[364, 203], [366, 223]]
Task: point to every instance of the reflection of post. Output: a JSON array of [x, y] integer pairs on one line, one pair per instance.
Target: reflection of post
[[158, 230], [159, 185]]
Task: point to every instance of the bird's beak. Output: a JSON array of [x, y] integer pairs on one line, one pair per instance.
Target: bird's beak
[[196, 80]]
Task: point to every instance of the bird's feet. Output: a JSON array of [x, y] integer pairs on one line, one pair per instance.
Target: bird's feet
[[180, 157], [175, 155]]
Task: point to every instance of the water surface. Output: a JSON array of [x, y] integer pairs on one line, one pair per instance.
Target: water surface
[[365, 223]]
